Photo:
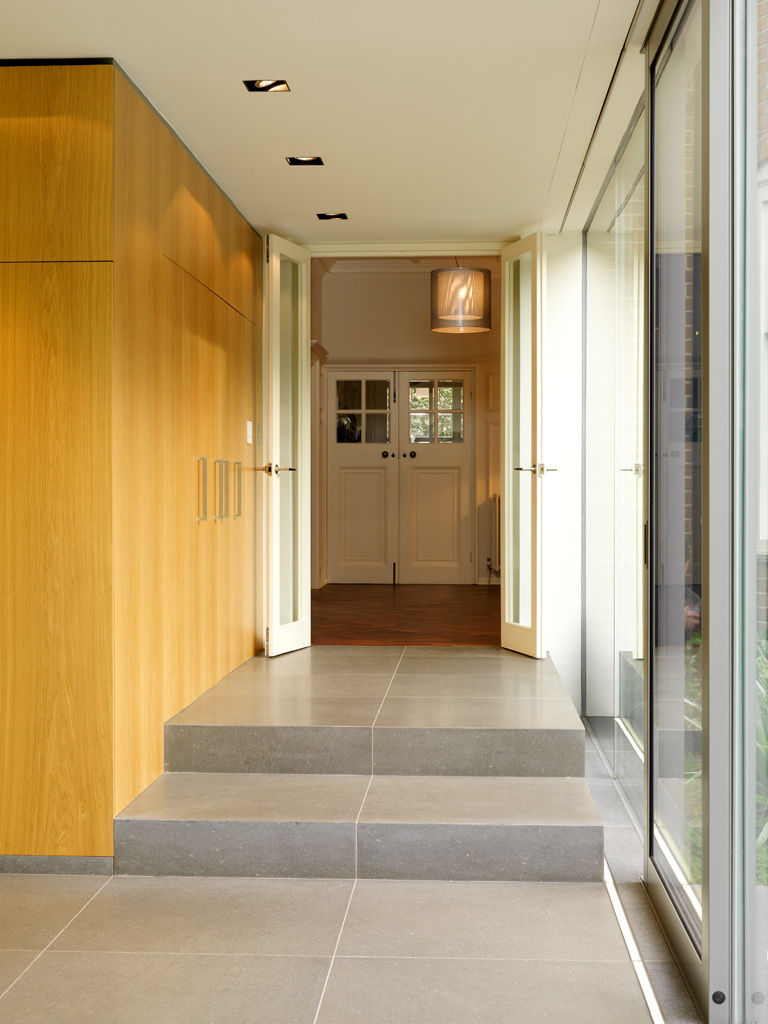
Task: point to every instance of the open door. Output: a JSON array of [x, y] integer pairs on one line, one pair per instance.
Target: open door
[[287, 447], [522, 471]]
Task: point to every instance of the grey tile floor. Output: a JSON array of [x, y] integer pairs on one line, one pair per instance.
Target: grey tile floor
[[77, 949], [304, 950]]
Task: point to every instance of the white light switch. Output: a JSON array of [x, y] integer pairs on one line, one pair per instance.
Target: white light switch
[[248, 432]]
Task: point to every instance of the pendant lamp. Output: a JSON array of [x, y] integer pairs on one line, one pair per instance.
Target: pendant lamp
[[461, 300]]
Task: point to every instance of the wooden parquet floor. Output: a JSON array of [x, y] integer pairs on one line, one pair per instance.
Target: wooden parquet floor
[[423, 615]]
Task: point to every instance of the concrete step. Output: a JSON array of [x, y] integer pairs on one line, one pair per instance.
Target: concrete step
[[345, 826], [519, 723]]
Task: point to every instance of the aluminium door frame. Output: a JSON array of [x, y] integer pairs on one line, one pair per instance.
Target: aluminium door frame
[[426, 367], [711, 972]]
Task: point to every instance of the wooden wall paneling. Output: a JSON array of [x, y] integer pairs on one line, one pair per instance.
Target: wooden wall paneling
[[246, 541], [199, 326], [56, 163], [203, 233], [144, 400], [55, 559]]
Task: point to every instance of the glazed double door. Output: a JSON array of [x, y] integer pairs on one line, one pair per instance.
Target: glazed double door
[[400, 465]]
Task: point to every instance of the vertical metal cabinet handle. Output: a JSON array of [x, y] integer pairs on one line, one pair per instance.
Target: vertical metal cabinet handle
[[202, 489], [238, 490]]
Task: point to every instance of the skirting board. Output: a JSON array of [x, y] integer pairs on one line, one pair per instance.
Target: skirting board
[[18, 865]]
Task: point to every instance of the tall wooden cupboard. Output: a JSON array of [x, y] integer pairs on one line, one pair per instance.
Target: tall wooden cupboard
[[130, 356]]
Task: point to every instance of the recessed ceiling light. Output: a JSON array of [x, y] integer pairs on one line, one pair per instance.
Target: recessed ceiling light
[[266, 85], [332, 216], [305, 161]]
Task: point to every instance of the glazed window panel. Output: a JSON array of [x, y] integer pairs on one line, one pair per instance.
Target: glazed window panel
[[349, 395]]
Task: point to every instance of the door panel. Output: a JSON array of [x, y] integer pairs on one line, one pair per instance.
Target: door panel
[[362, 477], [288, 448], [435, 470], [521, 468]]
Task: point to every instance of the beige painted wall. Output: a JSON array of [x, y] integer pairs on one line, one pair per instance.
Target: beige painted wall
[[378, 311]]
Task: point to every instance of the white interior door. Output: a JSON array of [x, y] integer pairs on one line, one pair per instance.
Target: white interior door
[[287, 447], [522, 471], [362, 477], [436, 477]]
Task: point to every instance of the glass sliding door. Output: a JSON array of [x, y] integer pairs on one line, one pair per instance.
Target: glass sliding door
[[752, 496], [677, 567], [615, 475]]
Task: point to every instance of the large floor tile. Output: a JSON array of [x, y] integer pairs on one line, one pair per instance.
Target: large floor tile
[[134, 988], [34, 908], [299, 826], [276, 709], [478, 713], [12, 963], [505, 667], [305, 684], [212, 915], [423, 799], [528, 921], [238, 797], [481, 992], [479, 829], [448, 686]]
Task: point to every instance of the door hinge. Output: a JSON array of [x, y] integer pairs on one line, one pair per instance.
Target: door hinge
[[470, 556], [267, 248], [394, 572]]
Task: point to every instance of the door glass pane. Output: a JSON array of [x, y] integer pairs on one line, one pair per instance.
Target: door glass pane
[[450, 427], [615, 437], [289, 437], [421, 427], [422, 394], [349, 427], [377, 394], [676, 564], [450, 394], [520, 387], [377, 427], [349, 394]]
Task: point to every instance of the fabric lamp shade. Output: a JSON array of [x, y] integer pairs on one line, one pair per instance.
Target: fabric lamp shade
[[461, 300]]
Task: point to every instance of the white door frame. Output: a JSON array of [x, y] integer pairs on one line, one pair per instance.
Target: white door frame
[[525, 638], [428, 368], [282, 637]]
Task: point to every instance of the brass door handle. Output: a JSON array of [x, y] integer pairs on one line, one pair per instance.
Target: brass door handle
[[525, 469], [284, 469], [262, 469]]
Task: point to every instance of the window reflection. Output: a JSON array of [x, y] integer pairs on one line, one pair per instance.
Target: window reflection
[[677, 569]]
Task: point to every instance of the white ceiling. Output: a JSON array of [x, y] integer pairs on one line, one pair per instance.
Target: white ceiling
[[437, 119]]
